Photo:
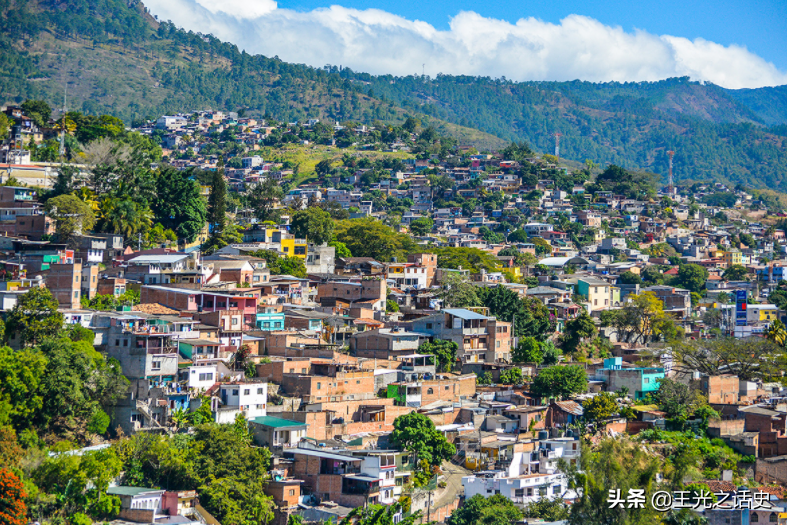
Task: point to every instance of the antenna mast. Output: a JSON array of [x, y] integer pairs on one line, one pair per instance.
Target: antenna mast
[[63, 123], [670, 184], [557, 136]]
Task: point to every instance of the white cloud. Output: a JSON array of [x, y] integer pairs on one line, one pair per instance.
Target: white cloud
[[379, 42], [239, 8]]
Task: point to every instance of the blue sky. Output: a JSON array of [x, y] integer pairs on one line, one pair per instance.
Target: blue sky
[[731, 44], [759, 25]]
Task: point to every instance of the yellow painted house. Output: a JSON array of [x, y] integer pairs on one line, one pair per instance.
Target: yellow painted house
[[733, 257]]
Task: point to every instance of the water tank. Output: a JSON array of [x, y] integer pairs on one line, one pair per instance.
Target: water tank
[[542, 435]]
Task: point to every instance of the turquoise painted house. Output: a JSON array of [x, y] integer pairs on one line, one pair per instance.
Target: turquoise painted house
[[639, 381], [269, 319]]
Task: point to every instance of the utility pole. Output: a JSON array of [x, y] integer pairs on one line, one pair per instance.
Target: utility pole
[[139, 242]]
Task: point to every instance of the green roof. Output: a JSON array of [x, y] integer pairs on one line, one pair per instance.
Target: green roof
[[276, 422], [129, 491]]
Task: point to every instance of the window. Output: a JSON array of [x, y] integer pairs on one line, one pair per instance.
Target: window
[[303, 370], [319, 386], [206, 377], [234, 392], [772, 518], [430, 391], [156, 365], [755, 518], [446, 388], [428, 326], [358, 382], [259, 391], [235, 321], [246, 391], [292, 492]]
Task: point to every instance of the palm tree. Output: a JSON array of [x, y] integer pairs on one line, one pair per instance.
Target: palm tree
[[179, 417], [126, 217], [777, 333]]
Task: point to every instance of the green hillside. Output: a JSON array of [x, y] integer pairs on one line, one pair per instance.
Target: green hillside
[[715, 135], [117, 59], [128, 65]]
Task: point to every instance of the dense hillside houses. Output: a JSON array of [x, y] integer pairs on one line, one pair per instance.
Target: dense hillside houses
[[343, 316]]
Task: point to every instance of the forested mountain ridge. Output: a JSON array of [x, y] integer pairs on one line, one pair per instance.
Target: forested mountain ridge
[[117, 59], [716, 136]]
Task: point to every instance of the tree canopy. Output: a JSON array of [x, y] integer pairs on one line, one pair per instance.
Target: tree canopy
[[313, 224], [560, 381], [417, 434]]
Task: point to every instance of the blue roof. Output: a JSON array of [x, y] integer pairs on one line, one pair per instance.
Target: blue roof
[[462, 313]]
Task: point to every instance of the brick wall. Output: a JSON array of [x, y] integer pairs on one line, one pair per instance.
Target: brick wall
[[65, 283], [720, 389], [346, 386], [451, 389], [138, 515], [280, 492], [771, 471], [274, 370], [321, 426], [726, 427], [171, 299], [764, 423]]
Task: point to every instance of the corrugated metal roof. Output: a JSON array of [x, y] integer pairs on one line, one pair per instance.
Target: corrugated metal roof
[[572, 407], [467, 315]]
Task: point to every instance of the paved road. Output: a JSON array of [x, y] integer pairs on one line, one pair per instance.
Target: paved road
[[453, 489]]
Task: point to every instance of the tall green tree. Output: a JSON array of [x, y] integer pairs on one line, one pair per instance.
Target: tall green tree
[[600, 406], [417, 434], [530, 317], [35, 317], [77, 384], [217, 204], [560, 381], [313, 224], [736, 272], [578, 330], [179, 205], [421, 226], [38, 110], [126, 216], [263, 198], [444, 352], [73, 215], [457, 291], [20, 376], [693, 277], [528, 351], [369, 237]]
